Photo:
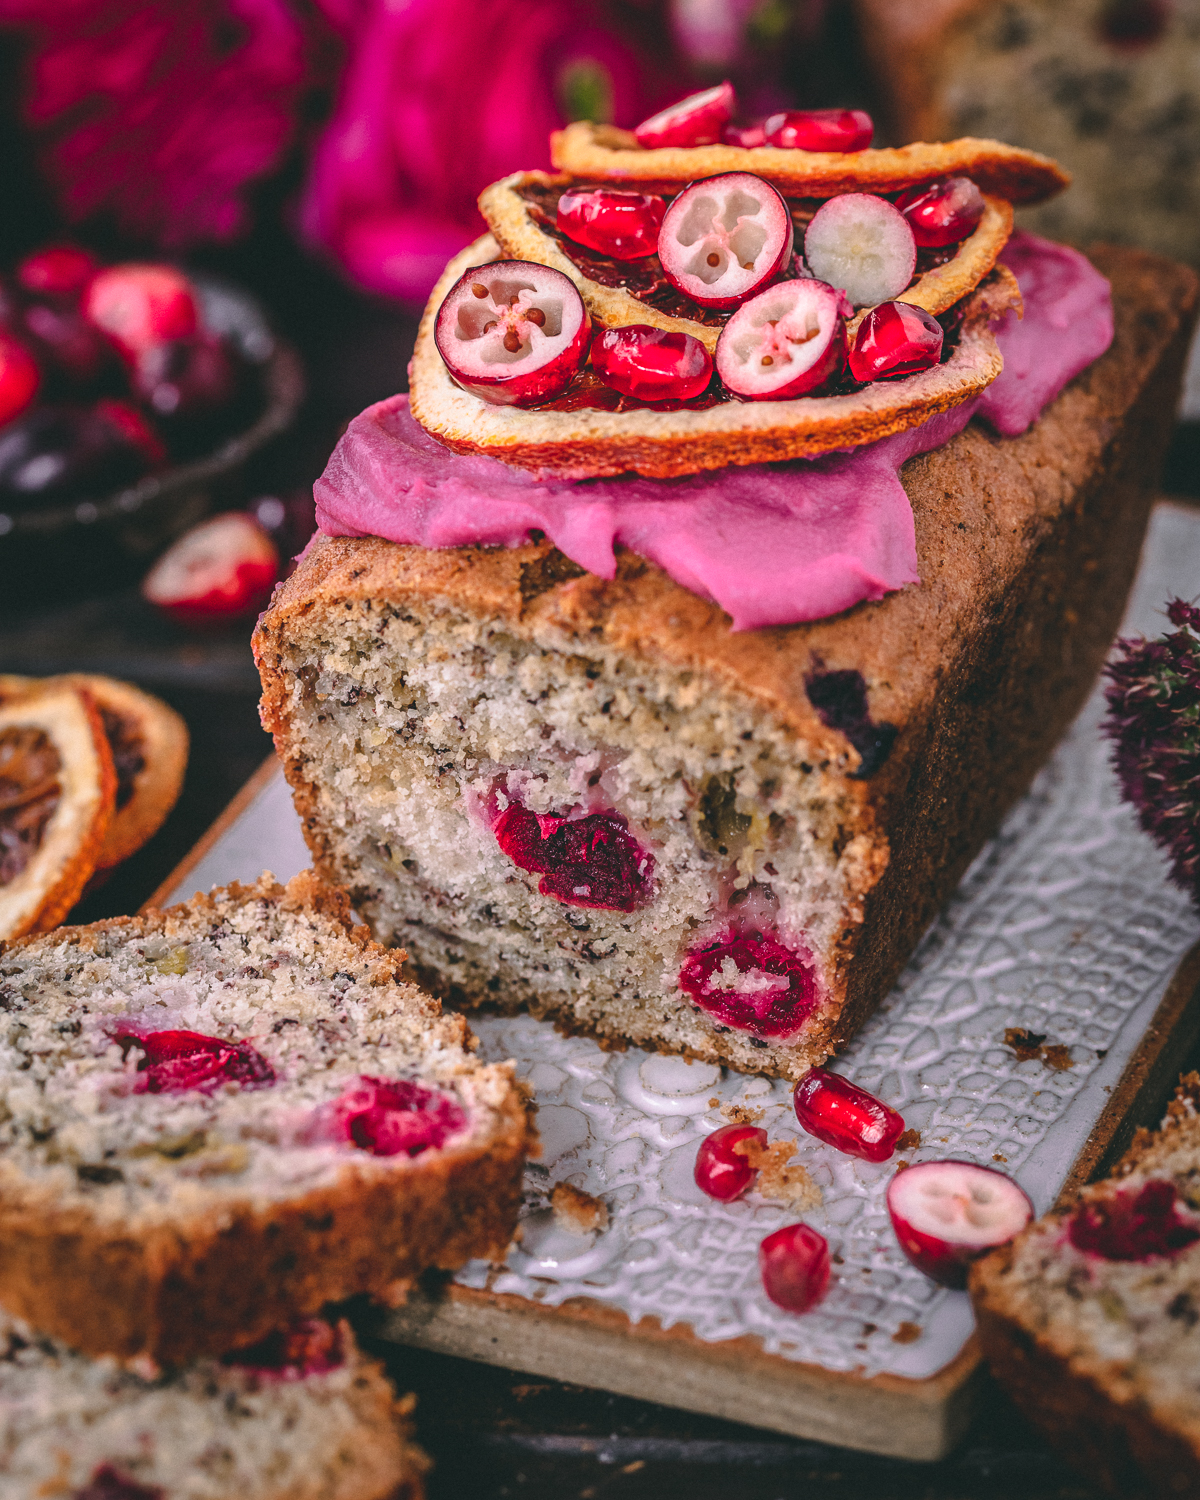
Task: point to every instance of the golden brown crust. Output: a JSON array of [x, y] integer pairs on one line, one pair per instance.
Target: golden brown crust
[[662, 444], [1026, 549], [52, 881], [602, 153]]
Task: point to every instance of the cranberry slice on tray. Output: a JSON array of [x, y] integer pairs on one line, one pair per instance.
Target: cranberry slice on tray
[[895, 339], [820, 129], [725, 238], [512, 332], [942, 212], [948, 1213], [622, 225], [786, 342], [721, 1170], [652, 364], [695, 121], [794, 1263], [842, 1115], [863, 245]]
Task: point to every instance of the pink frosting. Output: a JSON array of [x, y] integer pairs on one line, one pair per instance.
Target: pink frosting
[[772, 544]]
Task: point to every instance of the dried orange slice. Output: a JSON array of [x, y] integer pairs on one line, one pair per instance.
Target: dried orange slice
[[57, 791]]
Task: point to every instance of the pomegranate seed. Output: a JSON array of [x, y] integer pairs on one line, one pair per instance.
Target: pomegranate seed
[[841, 1114], [721, 1169], [695, 121], [745, 135], [622, 225], [309, 1347], [752, 983], [173, 1062], [1133, 1226], [393, 1117], [794, 1264], [652, 364], [895, 339], [942, 212], [820, 129], [948, 1213], [57, 271], [592, 861], [139, 305], [19, 378], [108, 1483]]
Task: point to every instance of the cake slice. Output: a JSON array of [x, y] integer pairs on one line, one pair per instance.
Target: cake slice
[[1090, 1319], [593, 799], [302, 1417], [224, 1115]]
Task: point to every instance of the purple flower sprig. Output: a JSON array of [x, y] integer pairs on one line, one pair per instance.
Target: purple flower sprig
[[1154, 722]]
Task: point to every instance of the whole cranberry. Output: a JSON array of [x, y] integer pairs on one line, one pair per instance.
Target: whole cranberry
[[722, 1171], [942, 212], [895, 339], [57, 271], [19, 378]]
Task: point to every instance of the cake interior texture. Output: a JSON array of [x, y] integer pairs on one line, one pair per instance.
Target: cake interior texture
[[221, 1115], [593, 800]]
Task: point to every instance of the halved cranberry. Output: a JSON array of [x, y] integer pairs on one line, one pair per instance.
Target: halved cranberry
[[721, 1169], [841, 1114], [652, 364], [512, 332], [948, 1213], [787, 341], [752, 983], [309, 1347], [863, 245], [895, 339], [175, 1061], [19, 378], [396, 1117], [748, 136], [593, 861], [1133, 1226], [725, 238], [622, 225], [57, 270], [794, 1264], [694, 121], [139, 305], [222, 569], [942, 212], [108, 1483], [820, 129]]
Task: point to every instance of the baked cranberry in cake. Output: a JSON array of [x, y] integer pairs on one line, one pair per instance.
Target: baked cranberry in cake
[[584, 861], [394, 1116], [1133, 1226], [308, 1347], [174, 1061], [108, 1483], [751, 982]]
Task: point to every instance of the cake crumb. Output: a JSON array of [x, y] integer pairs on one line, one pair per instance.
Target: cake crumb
[[1058, 1057], [742, 1114], [777, 1179], [996, 1156], [908, 1141], [578, 1211], [907, 1333], [1030, 1046]]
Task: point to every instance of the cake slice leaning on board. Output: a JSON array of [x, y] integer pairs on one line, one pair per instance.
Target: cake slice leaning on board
[[595, 799]]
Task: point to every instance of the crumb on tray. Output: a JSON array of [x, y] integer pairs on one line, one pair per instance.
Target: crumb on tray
[[777, 1178], [577, 1211]]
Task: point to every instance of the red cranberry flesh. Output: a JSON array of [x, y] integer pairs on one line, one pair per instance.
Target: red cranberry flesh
[[794, 1264], [618, 224], [820, 129], [396, 1117], [725, 238], [721, 1170], [695, 121], [942, 212], [19, 378], [57, 270], [862, 245], [895, 339], [1128, 1225], [652, 364], [747, 136], [752, 983], [309, 1347], [108, 1483], [841, 1114], [593, 861], [512, 332], [948, 1213], [223, 569], [140, 305], [174, 1062], [788, 341]]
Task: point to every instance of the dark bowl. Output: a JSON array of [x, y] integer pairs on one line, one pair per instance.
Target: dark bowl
[[95, 544]]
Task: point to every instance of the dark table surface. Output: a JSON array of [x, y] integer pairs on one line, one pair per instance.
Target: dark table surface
[[493, 1433]]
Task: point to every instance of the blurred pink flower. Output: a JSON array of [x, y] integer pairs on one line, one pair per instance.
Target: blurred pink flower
[[160, 112], [441, 97]]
